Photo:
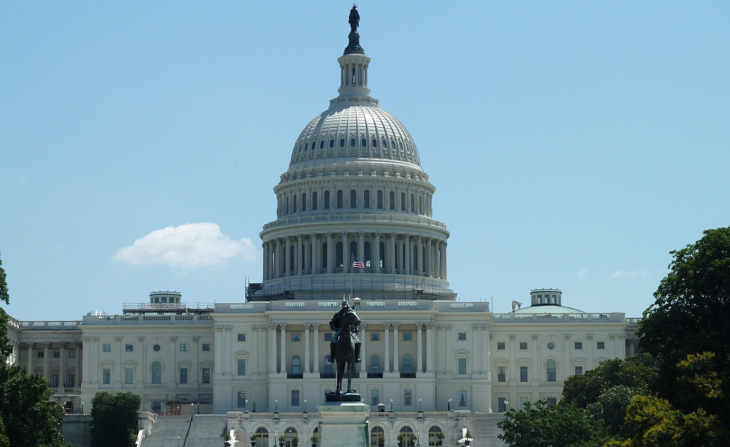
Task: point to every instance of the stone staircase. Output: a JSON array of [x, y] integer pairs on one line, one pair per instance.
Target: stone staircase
[[484, 430], [207, 430], [166, 430]]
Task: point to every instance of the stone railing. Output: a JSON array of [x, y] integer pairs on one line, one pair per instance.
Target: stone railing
[[343, 217], [512, 317], [363, 306], [49, 325], [150, 319]]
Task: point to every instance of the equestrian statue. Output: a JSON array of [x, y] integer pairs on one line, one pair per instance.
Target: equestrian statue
[[345, 346]]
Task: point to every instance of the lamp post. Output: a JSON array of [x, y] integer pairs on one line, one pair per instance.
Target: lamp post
[[178, 441], [450, 400], [245, 406], [82, 407]]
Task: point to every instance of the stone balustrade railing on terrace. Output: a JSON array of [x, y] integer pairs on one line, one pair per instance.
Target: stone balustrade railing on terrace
[[259, 307]]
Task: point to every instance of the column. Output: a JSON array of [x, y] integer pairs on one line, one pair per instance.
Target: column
[[272, 348], [419, 261], [47, 362], [476, 349], [443, 264], [287, 257], [310, 250], [277, 258], [363, 351], [419, 347], [306, 347], [283, 348], [346, 258], [513, 374], [566, 370], [120, 367], [442, 260], [330, 255], [265, 273], [62, 367], [77, 370], [30, 358], [429, 347], [396, 360], [390, 254], [227, 350], [449, 351], [408, 256], [316, 348], [386, 331], [535, 373], [297, 252], [218, 351], [486, 350], [140, 372], [376, 254]]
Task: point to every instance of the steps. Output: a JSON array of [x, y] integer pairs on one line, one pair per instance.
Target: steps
[[165, 431], [484, 430], [207, 430]]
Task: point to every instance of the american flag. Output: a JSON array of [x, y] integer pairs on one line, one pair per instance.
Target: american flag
[[357, 264]]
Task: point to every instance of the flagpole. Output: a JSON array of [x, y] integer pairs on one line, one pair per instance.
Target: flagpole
[[352, 275]]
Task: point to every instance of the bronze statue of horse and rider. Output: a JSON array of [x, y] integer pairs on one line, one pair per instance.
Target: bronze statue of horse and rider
[[345, 348]]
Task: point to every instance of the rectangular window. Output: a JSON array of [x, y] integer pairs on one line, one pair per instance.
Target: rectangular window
[[462, 398], [328, 336], [107, 347], [523, 401], [128, 348], [241, 337], [72, 379], [296, 336], [241, 367], [54, 380], [552, 401], [374, 397], [294, 398], [461, 336], [183, 347], [407, 336], [501, 376], [407, 398], [462, 365], [601, 345], [374, 336], [72, 353], [523, 345], [578, 345], [206, 375], [128, 376], [523, 374], [106, 376], [578, 370], [241, 395], [206, 347], [56, 354], [500, 345], [40, 354], [183, 375], [501, 404]]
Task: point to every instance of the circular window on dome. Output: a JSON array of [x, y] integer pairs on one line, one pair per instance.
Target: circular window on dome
[[156, 348], [551, 345]]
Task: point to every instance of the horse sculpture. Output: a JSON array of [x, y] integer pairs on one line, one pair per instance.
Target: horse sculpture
[[345, 352]]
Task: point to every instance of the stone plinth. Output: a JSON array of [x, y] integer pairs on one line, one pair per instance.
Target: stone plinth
[[343, 424]]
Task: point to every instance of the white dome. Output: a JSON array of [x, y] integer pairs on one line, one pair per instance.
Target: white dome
[[354, 132]]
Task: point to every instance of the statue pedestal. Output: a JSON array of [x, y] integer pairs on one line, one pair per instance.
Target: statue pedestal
[[343, 424]]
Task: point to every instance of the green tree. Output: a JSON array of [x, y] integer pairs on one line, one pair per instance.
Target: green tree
[[690, 316], [114, 419], [544, 425], [5, 347]]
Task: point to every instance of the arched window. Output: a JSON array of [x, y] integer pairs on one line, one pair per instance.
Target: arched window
[[326, 200], [304, 201], [262, 437], [413, 203], [382, 255], [407, 364], [551, 368], [408, 436], [402, 201], [324, 255], [420, 205], [296, 365], [433, 435], [353, 198], [353, 142], [353, 251], [340, 199], [342, 142], [156, 372], [321, 144], [289, 435], [367, 256], [294, 203], [380, 200], [366, 199], [377, 437], [287, 204], [314, 201], [338, 254], [391, 204], [375, 364]]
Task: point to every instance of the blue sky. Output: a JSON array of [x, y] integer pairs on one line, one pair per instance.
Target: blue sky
[[572, 144]]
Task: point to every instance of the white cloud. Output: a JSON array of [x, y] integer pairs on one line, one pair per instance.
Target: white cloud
[[582, 273], [187, 247], [622, 273]]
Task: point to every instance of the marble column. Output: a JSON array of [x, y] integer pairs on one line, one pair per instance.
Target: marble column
[[309, 251], [306, 347], [62, 366], [77, 370], [272, 348], [283, 348], [330, 253], [390, 262], [361, 248], [30, 358], [429, 347], [476, 360], [437, 259], [407, 257], [376, 254], [346, 257], [316, 348], [386, 331], [47, 362], [363, 350], [218, 351], [396, 340], [419, 347], [419, 253], [287, 257], [565, 371]]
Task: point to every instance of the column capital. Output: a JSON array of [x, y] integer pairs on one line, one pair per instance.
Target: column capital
[[534, 336], [196, 338], [566, 337], [475, 327], [219, 329], [448, 327], [228, 328], [419, 326], [386, 326], [96, 339], [140, 339], [173, 338], [589, 336], [512, 337], [364, 325], [282, 326], [308, 325], [395, 326], [429, 326], [118, 338]]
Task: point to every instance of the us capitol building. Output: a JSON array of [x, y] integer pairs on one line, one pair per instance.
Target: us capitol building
[[354, 189]]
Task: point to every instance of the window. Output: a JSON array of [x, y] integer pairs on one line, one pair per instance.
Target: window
[[374, 336], [40, 354], [304, 201], [407, 364], [106, 347], [241, 397], [523, 345], [374, 397], [326, 200], [380, 200], [523, 401], [376, 434], [375, 364], [128, 376], [241, 337], [551, 367], [183, 375], [71, 382], [366, 199], [408, 398], [353, 198], [501, 404], [296, 365], [206, 347], [328, 336], [56, 354], [156, 348], [340, 199], [552, 401], [413, 204], [462, 398], [462, 365], [578, 345], [551, 345], [54, 379], [206, 374], [294, 204], [72, 353], [106, 376], [183, 347], [407, 336], [156, 372], [601, 345], [409, 438], [433, 437], [391, 204], [578, 370], [523, 374], [294, 398], [314, 201], [296, 336], [402, 201], [128, 348], [501, 376], [461, 336], [500, 345], [262, 437], [241, 367]]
